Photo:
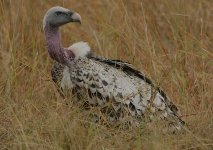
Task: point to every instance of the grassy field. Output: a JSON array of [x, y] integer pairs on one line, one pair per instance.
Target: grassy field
[[170, 40]]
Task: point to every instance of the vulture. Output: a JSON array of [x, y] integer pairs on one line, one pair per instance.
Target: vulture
[[105, 80]]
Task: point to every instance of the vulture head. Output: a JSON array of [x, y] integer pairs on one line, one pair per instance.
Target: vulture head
[[57, 16], [53, 19]]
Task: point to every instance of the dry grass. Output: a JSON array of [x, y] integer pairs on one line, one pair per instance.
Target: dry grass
[[170, 40]]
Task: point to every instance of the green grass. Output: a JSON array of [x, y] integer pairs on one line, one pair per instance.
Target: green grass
[[171, 41]]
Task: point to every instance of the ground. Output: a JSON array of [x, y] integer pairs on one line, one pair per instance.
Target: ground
[[171, 41]]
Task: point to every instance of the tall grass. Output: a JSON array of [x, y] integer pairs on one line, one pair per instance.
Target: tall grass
[[171, 41]]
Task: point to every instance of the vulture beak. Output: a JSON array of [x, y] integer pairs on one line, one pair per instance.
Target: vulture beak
[[76, 18]]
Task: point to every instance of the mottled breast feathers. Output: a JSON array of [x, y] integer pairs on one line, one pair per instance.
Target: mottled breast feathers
[[105, 79]]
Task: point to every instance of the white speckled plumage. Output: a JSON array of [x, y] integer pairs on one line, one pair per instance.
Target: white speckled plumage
[[133, 93], [103, 79]]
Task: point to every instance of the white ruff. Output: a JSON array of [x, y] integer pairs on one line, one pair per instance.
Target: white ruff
[[80, 49]]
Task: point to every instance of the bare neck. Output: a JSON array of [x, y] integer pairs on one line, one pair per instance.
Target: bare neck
[[54, 46]]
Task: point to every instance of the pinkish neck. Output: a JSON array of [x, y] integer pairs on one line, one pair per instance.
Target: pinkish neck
[[54, 46]]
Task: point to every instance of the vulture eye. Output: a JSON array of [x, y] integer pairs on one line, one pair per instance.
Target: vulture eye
[[58, 13]]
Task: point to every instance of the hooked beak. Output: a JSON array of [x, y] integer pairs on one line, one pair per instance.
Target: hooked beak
[[76, 18]]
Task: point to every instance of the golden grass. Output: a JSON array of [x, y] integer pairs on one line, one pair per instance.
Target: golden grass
[[171, 41]]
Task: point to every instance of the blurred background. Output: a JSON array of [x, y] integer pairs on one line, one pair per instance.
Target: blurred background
[[171, 41]]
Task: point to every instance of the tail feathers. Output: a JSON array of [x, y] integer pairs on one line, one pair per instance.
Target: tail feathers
[[164, 109]]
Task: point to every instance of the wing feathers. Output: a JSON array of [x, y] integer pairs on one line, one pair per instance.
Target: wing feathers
[[129, 70], [103, 81]]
